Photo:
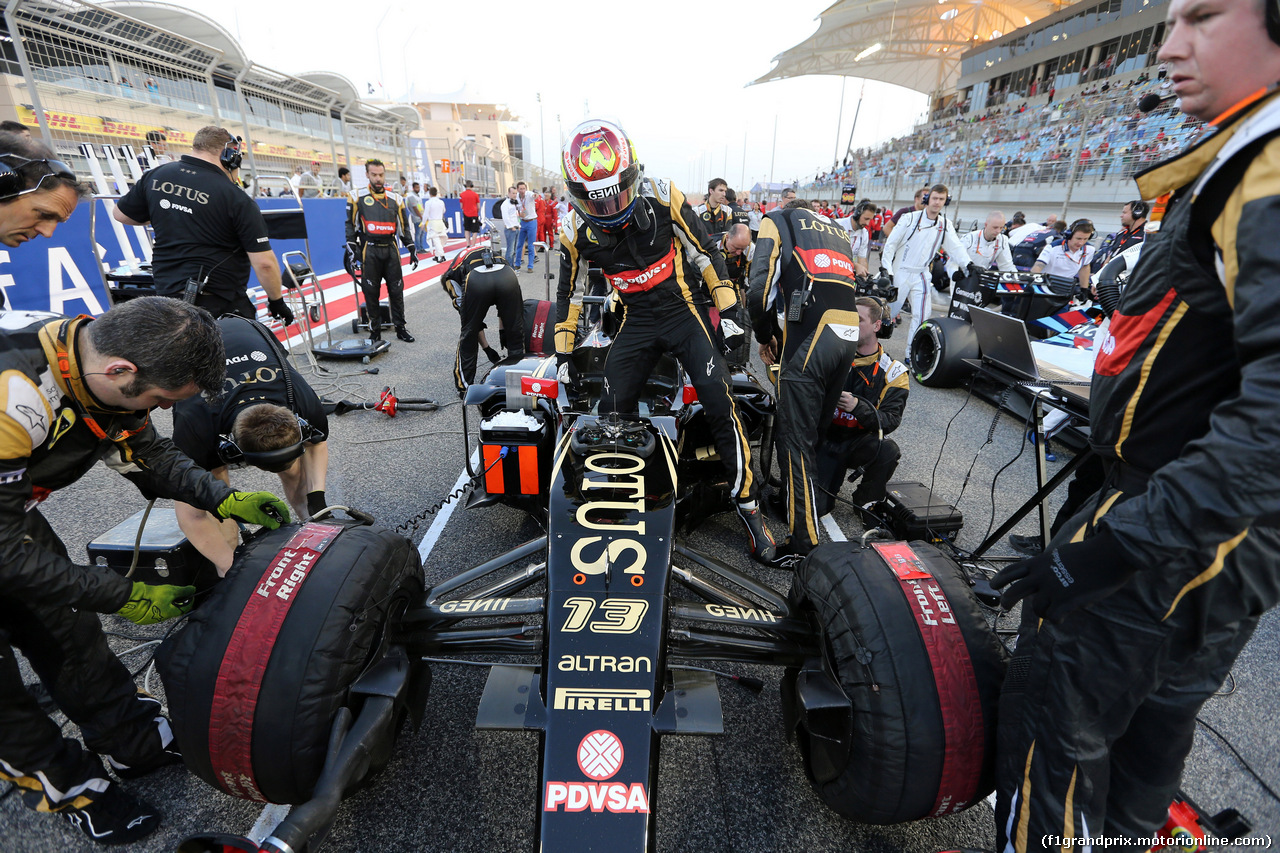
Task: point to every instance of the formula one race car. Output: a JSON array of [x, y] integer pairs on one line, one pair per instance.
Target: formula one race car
[[891, 672]]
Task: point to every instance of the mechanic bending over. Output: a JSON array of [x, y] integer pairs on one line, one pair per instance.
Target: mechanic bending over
[[268, 417], [641, 233], [78, 391], [735, 249], [869, 408], [804, 313], [1159, 583], [485, 279]]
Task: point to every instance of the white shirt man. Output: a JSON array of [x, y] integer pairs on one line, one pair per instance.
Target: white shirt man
[[433, 221], [911, 248], [860, 240], [1071, 259], [987, 246], [1017, 235]]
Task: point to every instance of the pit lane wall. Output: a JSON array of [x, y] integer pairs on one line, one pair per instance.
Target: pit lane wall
[[61, 274]]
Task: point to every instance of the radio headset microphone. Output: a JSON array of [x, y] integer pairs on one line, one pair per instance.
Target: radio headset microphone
[[1150, 101]]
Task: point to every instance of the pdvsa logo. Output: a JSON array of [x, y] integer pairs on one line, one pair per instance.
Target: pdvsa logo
[[600, 757]]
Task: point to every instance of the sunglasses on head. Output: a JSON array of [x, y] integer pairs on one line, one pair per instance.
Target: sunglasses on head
[[12, 166]]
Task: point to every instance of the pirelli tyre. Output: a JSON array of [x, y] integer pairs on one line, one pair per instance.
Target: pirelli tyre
[[939, 349], [908, 729], [257, 674]]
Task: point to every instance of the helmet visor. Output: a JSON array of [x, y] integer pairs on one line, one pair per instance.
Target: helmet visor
[[607, 202]]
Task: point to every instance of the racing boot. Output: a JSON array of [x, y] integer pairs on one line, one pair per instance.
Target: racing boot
[[1028, 546], [113, 817], [759, 542], [785, 558], [403, 334]]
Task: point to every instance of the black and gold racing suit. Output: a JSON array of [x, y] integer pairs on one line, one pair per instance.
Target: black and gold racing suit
[[662, 276], [715, 220], [474, 289], [49, 605], [374, 221], [1098, 711], [736, 266], [802, 263]]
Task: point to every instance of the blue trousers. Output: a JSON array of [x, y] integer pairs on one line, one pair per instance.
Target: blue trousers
[[528, 233]]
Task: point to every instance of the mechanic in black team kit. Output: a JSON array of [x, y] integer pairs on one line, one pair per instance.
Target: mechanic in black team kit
[[476, 281], [805, 315], [376, 217], [641, 233]]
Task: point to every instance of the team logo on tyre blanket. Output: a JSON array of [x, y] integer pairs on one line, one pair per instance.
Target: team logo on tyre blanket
[[600, 755]]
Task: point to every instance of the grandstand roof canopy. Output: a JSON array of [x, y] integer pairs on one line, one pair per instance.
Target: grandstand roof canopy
[[193, 25], [911, 43]]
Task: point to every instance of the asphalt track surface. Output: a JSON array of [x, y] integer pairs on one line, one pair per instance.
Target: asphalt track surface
[[452, 788]]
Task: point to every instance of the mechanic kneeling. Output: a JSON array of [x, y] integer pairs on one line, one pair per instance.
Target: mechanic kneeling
[[870, 407], [486, 280], [268, 417], [80, 390]]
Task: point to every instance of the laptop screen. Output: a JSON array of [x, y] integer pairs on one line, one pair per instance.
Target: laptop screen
[[1004, 341]]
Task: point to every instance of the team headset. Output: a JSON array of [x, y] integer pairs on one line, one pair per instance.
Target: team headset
[[929, 187], [1272, 17], [11, 180], [273, 461], [231, 155], [1139, 207]]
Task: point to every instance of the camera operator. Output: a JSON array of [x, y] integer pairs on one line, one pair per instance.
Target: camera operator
[[268, 417], [805, 315], [1137, 611], [910, 250], [869, 408], [208, 231]]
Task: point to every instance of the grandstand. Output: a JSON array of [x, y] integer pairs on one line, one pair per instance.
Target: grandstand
[[1037, 118], [92, 79]]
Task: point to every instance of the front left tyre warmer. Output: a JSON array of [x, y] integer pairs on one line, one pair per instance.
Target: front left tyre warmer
[[258, 673]]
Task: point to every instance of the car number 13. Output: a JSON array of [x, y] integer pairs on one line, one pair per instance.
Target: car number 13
[[617, 615]]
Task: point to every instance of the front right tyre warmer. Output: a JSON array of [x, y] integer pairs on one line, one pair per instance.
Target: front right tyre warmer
[[256, 676], [913, 653]]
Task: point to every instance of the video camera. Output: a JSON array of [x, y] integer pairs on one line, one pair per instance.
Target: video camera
[[882, 288]]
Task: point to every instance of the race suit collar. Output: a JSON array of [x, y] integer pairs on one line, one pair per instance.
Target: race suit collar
[[60, 340], [870, 358]]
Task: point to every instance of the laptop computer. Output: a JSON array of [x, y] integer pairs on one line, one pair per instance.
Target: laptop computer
[[1005, 344]]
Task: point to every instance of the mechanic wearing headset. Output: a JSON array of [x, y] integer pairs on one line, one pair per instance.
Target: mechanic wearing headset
[[1138, 610], [642, 235], [485, 280], [1133, 224], [860, 241], [1069, 259], [987, 246], [267, 417], [80, 390], [805, 316], [208, 232], [376, 217], [870, 407], [911, 248]]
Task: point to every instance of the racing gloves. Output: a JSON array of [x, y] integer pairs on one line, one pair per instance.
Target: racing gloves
[[567, 373], [149, 604], [255, 508], [1066, 578], [351, 260], [278, 309], [731, 332], [971, 270], [413, 258], [865, 413]]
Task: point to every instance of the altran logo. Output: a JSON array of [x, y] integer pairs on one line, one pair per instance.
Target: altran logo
[[600, 755]]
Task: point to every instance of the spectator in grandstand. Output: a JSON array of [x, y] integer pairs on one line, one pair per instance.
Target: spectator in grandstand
[[511, 224], [868, 409], [344, 181], [1156, 587], [1071, 258], [860, 241], [264, 418], [1133, 223], [716, 217], [159, 151], [208, 232], [309, 185], [987, 246], [527, 205], [911, 248], [413, 202], [433, 223], [470, 213]]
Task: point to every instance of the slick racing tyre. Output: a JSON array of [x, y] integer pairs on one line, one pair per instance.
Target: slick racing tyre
[[256, 676], [939, 349], [921, 670]]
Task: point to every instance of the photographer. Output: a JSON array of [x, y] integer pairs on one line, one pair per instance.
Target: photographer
[[209, 233], [869, 408]]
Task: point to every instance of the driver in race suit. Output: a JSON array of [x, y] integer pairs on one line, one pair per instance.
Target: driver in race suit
[[804, 314], [376, 216], [1137, 611], [485, 280], [76, 391], [642, 235]]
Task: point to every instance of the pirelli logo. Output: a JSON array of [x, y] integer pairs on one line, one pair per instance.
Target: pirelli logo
[[601, 699]]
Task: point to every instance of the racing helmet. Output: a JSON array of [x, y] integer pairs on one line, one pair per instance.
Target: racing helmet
[[601, 172]]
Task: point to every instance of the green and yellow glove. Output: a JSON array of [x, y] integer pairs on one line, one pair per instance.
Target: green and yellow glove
[[150, 604], [255, 508]]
